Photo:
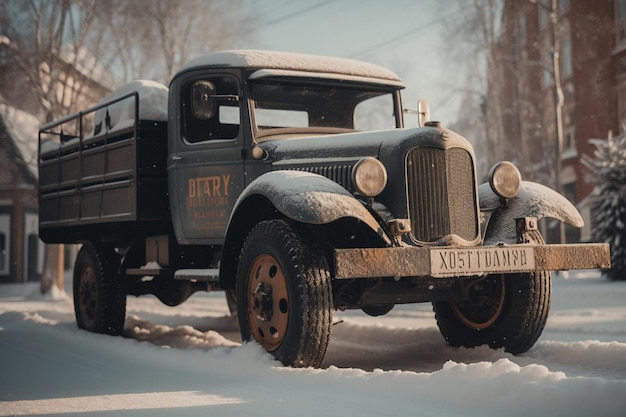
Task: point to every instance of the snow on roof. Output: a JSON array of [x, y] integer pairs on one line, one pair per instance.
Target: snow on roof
[[152, 103], [23, 128], [291, 61]]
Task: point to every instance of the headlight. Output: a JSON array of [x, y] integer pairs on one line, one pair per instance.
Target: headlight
[[505, 179], [369, 176]]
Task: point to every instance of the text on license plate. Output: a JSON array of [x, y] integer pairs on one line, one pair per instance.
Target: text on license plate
[[471, 261]]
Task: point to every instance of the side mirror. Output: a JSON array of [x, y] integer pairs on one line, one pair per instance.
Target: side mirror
[[203, 100], [423, 112]]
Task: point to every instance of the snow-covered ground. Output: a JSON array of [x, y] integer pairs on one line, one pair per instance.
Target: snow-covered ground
[[186, 361]]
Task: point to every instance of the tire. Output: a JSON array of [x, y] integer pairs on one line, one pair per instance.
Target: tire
[[99, 293], [284, 294], [231, 301], [503, 311]]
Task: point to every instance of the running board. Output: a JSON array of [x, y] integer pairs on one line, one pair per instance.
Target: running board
[[207, 275], [150, 272]]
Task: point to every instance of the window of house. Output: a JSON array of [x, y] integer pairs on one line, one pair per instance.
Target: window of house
[[33, 247], [548, 74], [566, 58], [620, 24], [564, 6], [569, 143], [621, 104], [521, 29], [5, 244], [545, 7]]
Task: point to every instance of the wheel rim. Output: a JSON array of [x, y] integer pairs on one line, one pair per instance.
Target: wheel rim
[[268, 302], [87, 295], [484, 304]]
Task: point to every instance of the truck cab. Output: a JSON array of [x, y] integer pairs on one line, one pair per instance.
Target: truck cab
[[229, 111], [290, 182]]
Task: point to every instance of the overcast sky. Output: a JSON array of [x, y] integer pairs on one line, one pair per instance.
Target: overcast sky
[[406, 36]]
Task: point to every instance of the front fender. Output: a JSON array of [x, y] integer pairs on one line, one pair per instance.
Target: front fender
[[308, 198], [300, 196], [532, 200]]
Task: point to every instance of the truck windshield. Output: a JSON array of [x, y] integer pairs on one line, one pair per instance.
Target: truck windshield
[[288, 109]]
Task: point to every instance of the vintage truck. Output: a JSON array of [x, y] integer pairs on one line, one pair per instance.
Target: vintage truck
[[290, 182]]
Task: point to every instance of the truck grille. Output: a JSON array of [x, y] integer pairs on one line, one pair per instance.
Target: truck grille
[[441, 193], [341, 174]]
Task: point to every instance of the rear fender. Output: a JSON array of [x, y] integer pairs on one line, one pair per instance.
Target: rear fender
[[532, 200]]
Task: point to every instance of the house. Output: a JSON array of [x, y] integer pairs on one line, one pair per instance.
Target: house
[[21, 251], [76, 81], [589, 39]]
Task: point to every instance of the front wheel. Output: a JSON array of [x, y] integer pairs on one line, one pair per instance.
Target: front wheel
[[99, 293], [503, 311], [284, 294]]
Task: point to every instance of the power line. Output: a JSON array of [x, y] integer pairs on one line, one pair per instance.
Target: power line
[[298, 12], [403, 37]]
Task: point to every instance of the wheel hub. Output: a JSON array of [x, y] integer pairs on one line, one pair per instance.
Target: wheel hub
[[263, 302], [483, 304], [268, 305]]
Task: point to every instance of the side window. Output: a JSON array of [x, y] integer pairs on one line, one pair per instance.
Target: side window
[[211, 109]]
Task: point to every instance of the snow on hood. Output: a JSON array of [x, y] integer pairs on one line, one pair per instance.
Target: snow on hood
[[152, 104], [24, 129], [291, 61]]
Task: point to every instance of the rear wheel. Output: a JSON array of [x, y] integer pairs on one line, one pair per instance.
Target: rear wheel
[[231, 301], [284, 294], [503, 311], [99, 293]]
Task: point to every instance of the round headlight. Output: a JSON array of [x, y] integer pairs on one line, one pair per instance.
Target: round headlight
[[369, 176], [505, 179]]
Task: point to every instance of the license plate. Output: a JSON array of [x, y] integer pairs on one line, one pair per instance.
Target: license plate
[[476, 261]]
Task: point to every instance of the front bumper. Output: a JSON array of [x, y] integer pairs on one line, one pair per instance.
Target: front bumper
[[441, 262], [464, 261]]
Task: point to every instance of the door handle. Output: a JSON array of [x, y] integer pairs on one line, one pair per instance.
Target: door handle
[[176, 158]]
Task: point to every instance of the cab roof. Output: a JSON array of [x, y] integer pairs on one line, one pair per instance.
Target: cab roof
[[294, 62]]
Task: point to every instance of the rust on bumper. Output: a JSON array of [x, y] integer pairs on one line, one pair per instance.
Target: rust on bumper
[[462, 261]]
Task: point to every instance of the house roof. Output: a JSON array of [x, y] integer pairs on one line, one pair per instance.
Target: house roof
[[21, 129]]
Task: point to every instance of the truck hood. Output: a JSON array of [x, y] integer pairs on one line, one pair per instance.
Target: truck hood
[[384, 145]]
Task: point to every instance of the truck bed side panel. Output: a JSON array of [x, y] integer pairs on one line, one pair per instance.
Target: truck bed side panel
[[92, 186]]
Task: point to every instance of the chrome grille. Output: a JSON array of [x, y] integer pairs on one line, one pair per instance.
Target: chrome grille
[[441, 193]]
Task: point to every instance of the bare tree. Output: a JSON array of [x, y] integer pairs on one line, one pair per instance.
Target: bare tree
[[61, 56], [153, 38], [45, 39], [45, 68], [474, 44]]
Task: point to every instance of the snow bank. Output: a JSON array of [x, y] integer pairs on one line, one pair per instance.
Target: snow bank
[[191, 365]]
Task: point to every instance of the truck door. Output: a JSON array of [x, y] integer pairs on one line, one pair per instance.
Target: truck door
[[205, 167]]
